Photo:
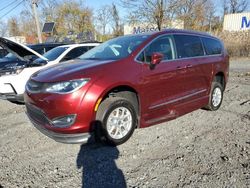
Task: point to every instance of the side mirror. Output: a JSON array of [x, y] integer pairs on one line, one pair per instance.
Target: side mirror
[[156, 59]]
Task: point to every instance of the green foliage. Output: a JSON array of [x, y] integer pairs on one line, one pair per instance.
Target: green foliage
[[72, 16]]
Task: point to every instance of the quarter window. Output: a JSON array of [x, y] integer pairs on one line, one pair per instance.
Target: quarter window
[[212, 46], [163, 45], [188, 46], [76, 52]]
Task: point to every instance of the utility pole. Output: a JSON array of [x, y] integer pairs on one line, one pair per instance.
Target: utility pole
[[34, 6]]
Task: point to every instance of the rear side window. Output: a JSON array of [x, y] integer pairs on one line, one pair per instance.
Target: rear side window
[[212, 46], [188, 46]]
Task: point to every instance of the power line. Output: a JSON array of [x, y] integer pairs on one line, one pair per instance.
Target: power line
[[8, 5], [13, 8]]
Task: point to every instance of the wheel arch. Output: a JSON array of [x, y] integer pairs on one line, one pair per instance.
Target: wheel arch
[[220, 77], [124, 91]]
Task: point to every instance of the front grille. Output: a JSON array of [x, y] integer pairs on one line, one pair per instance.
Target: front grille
[[34, 87], [5, 72], [37, 115]]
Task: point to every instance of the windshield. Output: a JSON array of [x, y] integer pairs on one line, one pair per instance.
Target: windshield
[[53, 54], [116, 48]]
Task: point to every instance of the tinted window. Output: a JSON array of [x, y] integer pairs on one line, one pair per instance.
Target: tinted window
[[188, 46], [212, 46], [163, 45], [76, 52]]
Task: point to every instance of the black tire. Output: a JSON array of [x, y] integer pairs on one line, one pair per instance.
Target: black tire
[[103, 113], [213, 106]]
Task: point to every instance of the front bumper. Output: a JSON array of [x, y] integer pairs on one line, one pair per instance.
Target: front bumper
[[75, 138], [12, 97]]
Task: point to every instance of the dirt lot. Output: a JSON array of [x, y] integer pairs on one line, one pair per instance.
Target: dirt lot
[[200, 149]]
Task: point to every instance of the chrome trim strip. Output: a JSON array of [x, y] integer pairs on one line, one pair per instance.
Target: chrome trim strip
[[178, 99]]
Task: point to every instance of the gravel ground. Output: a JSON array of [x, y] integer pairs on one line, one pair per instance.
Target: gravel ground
[[200, 149]]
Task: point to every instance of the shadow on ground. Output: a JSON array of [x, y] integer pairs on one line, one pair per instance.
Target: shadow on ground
[[98, 166]]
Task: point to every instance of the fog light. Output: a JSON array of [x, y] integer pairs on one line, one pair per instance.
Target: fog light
[[64, 121]]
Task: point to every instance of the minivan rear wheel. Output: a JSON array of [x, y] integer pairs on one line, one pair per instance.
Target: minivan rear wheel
[[216, 96], [117, 120]]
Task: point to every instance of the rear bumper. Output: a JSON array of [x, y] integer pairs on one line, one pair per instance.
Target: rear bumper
[[79, 138]]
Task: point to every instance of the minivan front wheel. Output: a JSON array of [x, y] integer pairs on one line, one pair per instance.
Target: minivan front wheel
[[216, 96], [117, 117]]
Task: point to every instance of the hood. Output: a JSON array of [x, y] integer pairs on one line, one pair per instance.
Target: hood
[[69, 70], [23, 52]]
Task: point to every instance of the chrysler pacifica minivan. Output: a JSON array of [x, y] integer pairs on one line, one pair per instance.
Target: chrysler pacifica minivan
[[129, 82]]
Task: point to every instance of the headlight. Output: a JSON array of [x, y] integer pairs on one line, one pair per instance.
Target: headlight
[[13, 69], [66, 87]]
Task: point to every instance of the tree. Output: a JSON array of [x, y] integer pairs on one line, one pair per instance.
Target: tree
[[13, 27], [150, 11], [117, 31], [3, 28], [103, 17], [72, 17], [234, 6], [48, 8], [196, 14], [27, 24]]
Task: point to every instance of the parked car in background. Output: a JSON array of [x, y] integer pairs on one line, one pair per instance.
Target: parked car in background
[[128, 82], [13, 76], [3, 52], [65, 53], [11, 59]]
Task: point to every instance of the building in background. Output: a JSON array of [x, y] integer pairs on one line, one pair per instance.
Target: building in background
[[147, 27], [237, 22]]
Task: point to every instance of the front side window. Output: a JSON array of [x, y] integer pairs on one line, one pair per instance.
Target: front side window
[[115, 49], [212, 46], [188, 46], [163, 45]]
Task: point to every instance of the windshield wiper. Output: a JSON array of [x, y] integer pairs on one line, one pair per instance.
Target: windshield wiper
[[92, 58]]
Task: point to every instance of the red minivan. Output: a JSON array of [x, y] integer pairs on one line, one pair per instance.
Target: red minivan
[[128, 82]]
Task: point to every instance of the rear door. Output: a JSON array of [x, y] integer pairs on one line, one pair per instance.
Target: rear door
[[192, 56]]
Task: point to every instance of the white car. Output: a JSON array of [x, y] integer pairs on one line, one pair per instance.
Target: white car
[[13, 77]]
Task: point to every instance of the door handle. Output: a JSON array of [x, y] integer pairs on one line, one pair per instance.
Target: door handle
[[180, 68], [188, 66]]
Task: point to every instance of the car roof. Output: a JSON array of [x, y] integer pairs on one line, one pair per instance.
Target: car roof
[[185, 31], [175, 31], [45, 45], [79, 45]]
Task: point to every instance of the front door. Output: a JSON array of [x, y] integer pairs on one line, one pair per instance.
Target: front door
[[162, 85]]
